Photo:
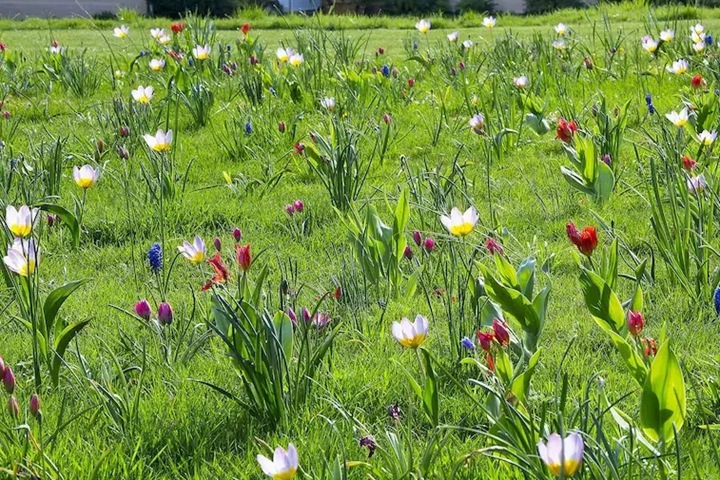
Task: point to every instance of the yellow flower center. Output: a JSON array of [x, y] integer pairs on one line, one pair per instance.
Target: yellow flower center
[[20, 230], [27, 268], [197, 258], [571, 467], [161, 147], [461, 229], [413, 342], [286, 475], [85, 183], [680, 122]]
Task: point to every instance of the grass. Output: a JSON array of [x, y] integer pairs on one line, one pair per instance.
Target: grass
[[172, 426]]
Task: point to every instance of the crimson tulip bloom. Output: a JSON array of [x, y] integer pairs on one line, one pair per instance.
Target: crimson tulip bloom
[[485, 339], [586, 240], [566, 130], [635, 323], [244, 258], [502, 334]]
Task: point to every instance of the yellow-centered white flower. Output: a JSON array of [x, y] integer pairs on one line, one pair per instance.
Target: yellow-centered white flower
[[561, 29], [667, 35], [458, 223], [521, 81], [559, 44], [143, 94], [121, 32], [161, 142], [423, 26], [699, 47], [453, 37], [678, 67], [157, 33], [284, 464], [22, 257], [284, 54], [707, 138], [328, 103], [489, 22], [201, 52], [296, 59], [21, 221], [678, 119], [562, 456], [157, 64], [195, 252], [85, 176], [411, 335]]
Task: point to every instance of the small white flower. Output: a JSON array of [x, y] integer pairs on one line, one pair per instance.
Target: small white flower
[[467, 44], [697, 37], [284, 54], [563, 457], [453, 37], [423, 26], [164, 39], [667, 35], [121, 32], [161, 142], [296, 59], [195, 252], [698, 29], [649, 44], [157, 64], [521, 81], [328, 103], [21, 221], [678, 119], [477, 123], [489, 22], [559, 44], [284, 464], [157, 33], [143, 94], [707, 138], [85, 176], [561, 29], [411, 335], [22, 257], [458, 223], [678, 67], [696, 184], [201, 52], [699, 47]]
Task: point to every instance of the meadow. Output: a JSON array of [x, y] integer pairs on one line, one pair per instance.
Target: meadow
[[536, 196]]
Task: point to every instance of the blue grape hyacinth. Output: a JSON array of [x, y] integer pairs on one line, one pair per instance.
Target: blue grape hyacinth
[[716, 300], [467, 343], [155, 257]]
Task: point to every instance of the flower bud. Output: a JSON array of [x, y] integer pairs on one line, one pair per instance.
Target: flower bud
[[502, 334], [289, 209], [411, 82], [387, 118], [237, 234], [13, 407], [124, 131], [244, 257], [123, 152], [291, 315], [305, 314], [8, 378], [165, 314], [635, 323], [217, 243], [298, 205], [429, 244], [467, 343], [408, 253], [493, 246], [485, 339], [417, 238], [281, 127], [34, 405], [143, 310]]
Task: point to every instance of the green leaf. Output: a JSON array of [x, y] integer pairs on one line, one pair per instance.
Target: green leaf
[[503, 366], [662, 404], [632, 359], [602, 302], [55, 300], [512, 302], [506, 272], [284, 333], [521, 383], [430, 393], [574, 179], [67, 219], [604, 183], [61, 343], [636, 305], [526, 276]]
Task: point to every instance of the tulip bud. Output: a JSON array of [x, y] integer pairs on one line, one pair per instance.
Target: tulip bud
[[165, 314], [387, 118], [281, 127], [411, 82], [2, 366], [502, 334], [34, 405], [124, 131], [298, 205], [429, 245], [299, 148], [485, 339], [13, 407], [408, 253], [635, 323], [461, 65], [245, 29], [381, 51], [244, 257], [305, 314], [123, 152], [237, 234], [291, 315], [143, 310], [218, 244], [394, 72], [100, 146], [493, 246], [8, 378], [337, 293], [417, 238], [607, 160], [289, 209]]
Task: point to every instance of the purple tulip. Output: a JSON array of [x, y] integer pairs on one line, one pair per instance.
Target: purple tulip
[[417, 238], [34, 405], [165, 314], [13, 407], [143, 309], [8, 379], [298, 205], [217, 243], [408, 253], [237, 234], [429, 244]]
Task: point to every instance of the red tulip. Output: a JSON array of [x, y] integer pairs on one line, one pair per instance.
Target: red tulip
[[566, 130], [245, 29], [650, 349], [688, 163], [586, 240], [698, 81], [502, 334], [244, 258], [34, 405], [177, 27], [8, 378], [485, 339], [493, 246], [635, 323]]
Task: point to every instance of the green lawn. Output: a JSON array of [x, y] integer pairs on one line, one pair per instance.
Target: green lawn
[[134, 404]]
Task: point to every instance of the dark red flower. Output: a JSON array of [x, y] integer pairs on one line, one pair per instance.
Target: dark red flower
[[337, 293], [299, 148], [493, 246], [177, 27], [635, 323], [491, 362], [2, 47], [688, 163], [485, 339], [586, 240], [244, 257], [221, 272], [245, 29], [650, 349], [698, 81], [502, 334], [411, 82], [566, 130]]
